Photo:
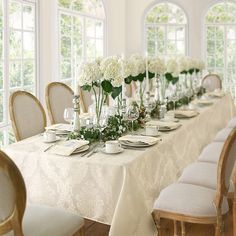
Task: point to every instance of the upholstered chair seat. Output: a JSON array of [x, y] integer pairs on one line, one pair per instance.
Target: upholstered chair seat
[[42, 220], [189, 200], [222, 135], [211, 153], [232, 123], [203, 174]]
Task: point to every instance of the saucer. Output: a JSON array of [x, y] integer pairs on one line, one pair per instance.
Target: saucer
[[57, 139], [118, 151]]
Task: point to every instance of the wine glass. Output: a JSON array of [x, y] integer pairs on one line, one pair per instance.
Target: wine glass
[[69, 115], [132, 114], [150, 105], [101, 124], [175, 98]]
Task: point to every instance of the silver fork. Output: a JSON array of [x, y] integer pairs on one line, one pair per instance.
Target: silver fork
[[95, 150]]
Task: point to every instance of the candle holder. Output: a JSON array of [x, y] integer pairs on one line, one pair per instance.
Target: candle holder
[[76, 123]]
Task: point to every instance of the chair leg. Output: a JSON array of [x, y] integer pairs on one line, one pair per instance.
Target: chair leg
[[234, 215], [157, 219], [175, 228], [183, 231], [218, 226]]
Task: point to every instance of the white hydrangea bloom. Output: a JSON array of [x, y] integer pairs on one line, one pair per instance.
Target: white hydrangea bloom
[[106, 61], [183, 64], [126, 68], [117, 81], [138, 65], [172, 67], [202, 65], [157, 66], [191, 63], [112, 70], [89, 72]]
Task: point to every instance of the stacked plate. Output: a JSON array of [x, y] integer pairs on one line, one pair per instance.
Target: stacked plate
[[185, 113], [61, 129], [138, 141], [164, 125]]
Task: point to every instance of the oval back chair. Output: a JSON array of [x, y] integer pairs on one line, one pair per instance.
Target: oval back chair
[[211, 82], [58, 96], [37, 220], [27, 115]]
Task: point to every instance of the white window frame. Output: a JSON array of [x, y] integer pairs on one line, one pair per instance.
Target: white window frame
[[166, 25], [5, 126], [83, 17], [226, 83]]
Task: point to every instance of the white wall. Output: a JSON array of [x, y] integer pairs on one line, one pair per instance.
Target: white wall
[[136, 11]]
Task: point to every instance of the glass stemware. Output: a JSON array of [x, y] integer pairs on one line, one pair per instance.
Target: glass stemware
[[132, 114], [69, 115]]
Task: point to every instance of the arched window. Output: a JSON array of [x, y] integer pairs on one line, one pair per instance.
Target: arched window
[[81, 34], [166, 30], [220, 41]]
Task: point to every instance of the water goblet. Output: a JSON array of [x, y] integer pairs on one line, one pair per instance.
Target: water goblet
[[132, 114], [69, 115]]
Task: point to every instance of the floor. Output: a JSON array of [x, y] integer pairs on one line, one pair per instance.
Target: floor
[[97, 229]]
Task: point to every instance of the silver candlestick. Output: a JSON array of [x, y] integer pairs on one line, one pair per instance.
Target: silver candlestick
[[76, 123]]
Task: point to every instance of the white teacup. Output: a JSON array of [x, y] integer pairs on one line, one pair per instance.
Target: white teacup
[[151, 130], [49, 136], [112, 146]]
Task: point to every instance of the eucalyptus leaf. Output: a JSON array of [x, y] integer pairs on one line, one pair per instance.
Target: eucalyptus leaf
[[86, 88]]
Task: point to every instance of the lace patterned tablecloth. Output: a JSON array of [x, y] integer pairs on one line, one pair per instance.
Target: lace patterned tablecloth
[[118, 189]]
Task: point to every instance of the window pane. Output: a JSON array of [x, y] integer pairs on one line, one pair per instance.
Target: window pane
[[1, 44], [64, 3], [15, 44], [1, 107], [180, 47], [28, 73], [180, 33], [29, 45], [99, 48], [91, 48], [66, 72], [28, 17], [90, 28], [15, 19], [15, 74], [171, 33], [66, 47], [231, 33], [1, 75], [99, 29], [66, 24]]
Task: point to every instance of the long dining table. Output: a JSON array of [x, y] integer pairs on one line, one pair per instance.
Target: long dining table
[[118, 190]]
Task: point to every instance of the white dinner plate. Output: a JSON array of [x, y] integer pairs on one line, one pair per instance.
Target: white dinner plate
[[118, 151], [135, 144]]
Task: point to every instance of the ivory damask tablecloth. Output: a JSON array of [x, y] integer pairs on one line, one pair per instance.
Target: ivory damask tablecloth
[[118, 190]]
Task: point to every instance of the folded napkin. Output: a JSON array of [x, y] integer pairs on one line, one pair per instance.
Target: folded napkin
[[164, 125], [218, 94], [185, 113], [60, 128], [67, 147], [139, 139], [202, 102]]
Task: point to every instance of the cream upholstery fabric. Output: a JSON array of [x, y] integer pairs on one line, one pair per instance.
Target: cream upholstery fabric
[[230, 163], [211, 153], [211, 82], [7, 196], [60, 98], [189, 200], [232, 123], [28, 116], [203, 174], [87, 99], [222, 135], [200, 173], [47, 221]]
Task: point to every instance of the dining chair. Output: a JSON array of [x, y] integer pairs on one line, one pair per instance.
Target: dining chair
[[58, 96], [30, 220], [211, 82], [232, 123], [196, 204], [222, 135], [27, 115]]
